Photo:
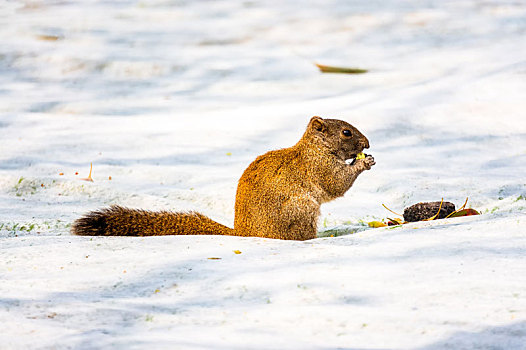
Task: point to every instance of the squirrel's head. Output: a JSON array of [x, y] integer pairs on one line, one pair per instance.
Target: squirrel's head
[[336, 136]]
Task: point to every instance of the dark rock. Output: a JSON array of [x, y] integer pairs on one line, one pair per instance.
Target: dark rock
[[426, 210]]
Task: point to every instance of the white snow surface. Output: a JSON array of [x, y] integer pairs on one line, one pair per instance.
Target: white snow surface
[[173, 99]]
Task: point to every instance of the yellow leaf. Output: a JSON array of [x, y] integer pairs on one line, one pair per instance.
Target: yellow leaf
[[237, 251], [376, 224]]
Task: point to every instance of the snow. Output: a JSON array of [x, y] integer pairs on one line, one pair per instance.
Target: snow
[[173, 99]]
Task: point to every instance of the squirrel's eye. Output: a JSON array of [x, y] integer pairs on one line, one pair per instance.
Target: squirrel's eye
[[346, 132]]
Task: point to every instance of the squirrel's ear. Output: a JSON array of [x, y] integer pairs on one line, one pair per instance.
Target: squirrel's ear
[[317, 124]]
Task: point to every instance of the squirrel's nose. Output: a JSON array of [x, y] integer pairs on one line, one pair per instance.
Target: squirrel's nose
[[365, 143]]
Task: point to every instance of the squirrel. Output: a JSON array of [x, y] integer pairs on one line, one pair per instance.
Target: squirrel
[[278, 196]]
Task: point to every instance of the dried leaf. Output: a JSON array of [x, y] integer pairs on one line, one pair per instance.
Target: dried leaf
[[214, 258], [459, 209], [344, 70], [395, 221], [464, 212], [391, 210], [89, 178], [237, 251], [48, 37]]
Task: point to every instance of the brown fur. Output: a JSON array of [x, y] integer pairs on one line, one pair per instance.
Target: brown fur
[[278, 196]]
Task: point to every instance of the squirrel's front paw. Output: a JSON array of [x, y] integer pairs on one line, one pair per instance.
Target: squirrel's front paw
[[368, 161]]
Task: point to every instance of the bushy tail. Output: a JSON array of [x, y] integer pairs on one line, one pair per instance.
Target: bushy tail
[[119, 221]]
